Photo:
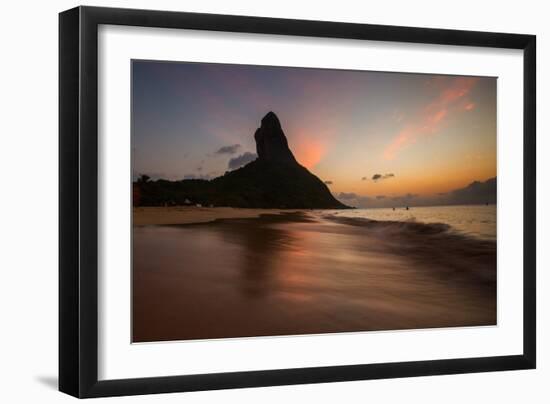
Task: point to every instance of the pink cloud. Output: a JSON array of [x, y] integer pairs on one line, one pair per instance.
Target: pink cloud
[[309, 144], [432, 116]]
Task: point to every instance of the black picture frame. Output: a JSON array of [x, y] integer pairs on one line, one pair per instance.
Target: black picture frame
[[78, 201]]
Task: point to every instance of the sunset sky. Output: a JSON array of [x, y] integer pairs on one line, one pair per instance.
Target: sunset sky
[[367, 134]]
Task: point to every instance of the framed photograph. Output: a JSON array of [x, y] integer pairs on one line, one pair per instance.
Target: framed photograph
[[251, 201]]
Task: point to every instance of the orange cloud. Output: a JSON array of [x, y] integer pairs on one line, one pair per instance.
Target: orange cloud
[[309, 143], [430, 118], [309, 152]]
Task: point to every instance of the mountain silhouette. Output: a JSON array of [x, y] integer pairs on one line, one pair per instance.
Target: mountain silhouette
[[274, 180], [271, 143]]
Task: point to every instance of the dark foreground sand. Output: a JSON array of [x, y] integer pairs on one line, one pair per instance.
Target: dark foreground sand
[[288, 274]]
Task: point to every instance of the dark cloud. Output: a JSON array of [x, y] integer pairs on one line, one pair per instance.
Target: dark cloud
[[378, 177], [351, 198], [407, 200], [241, 160], [328, 182], [406, 197], [475, 193], [231, 149], [347, 195]]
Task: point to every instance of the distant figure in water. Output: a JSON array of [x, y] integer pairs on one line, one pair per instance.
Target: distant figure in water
[[406, 208]]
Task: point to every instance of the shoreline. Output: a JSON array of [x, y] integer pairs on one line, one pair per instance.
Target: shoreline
[[161, 215]]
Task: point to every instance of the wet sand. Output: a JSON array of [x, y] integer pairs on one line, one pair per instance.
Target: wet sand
[[304, 273]]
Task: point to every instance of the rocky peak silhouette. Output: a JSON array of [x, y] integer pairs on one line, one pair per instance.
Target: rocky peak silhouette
[[271, 142]]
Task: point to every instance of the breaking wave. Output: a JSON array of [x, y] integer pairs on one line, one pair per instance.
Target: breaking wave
[[430, 244], [394, 227]]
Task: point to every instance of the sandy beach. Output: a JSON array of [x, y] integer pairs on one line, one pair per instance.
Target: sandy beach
[[153, 215], [260, 273]]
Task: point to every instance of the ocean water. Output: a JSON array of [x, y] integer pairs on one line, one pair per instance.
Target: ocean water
[[479, 221]]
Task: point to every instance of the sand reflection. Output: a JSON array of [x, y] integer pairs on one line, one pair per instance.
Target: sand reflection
[[295, 274]]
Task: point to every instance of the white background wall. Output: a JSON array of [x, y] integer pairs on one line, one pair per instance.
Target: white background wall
[[28, 198]]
